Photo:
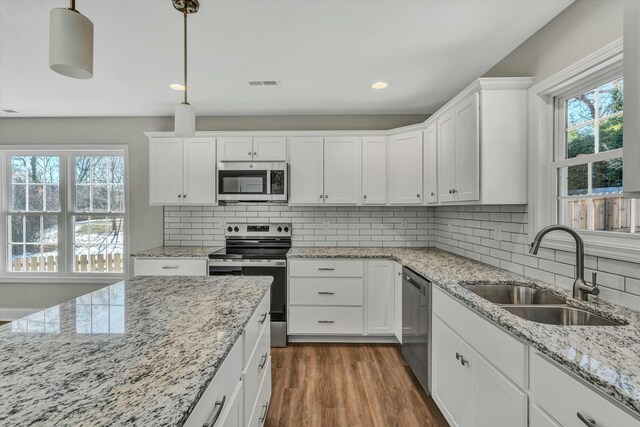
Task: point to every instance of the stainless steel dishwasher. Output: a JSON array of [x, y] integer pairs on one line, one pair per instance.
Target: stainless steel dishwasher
[[416, 325]]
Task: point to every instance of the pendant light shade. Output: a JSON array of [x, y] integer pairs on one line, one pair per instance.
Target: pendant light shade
[[70, 43], [185, 120]]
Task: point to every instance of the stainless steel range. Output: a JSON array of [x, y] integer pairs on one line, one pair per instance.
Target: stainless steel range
[[258, 250]]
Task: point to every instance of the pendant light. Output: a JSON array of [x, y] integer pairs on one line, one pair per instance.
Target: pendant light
[[185, 115], [70, 43]]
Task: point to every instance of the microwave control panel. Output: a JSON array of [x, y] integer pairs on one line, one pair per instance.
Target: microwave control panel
[[277, 182]]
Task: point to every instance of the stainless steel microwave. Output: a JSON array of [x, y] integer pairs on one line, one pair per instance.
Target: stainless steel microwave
[[252, 182]]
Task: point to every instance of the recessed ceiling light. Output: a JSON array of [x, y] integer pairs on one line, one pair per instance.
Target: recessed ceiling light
[[176, 86], [380, 85]]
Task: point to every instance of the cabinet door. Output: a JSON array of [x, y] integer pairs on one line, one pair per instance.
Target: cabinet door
[[306, 171], [495, 401], [397, 295], [374, 170], [405, 169], [431, 164], [380, 297], [199, 171], [451, 379], [270, 149], [341, 170], [165, 171], [235, 414], [446, 157], [235, 148], [467, 137]]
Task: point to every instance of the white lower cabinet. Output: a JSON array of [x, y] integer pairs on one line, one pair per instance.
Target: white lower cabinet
[[170, 267], [242, 386], [380, 297]]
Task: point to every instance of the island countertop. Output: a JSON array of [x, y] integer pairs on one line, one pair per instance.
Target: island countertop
[[606, 357], [139, 352]]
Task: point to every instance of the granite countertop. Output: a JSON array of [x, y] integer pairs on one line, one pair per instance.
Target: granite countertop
[[178, 252], [139, 352], [605, 356]]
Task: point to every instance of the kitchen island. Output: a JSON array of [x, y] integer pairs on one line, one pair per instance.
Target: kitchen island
[[139, 352]]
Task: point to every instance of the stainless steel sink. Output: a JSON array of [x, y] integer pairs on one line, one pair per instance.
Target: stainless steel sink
[[564, 316], [512, 294]]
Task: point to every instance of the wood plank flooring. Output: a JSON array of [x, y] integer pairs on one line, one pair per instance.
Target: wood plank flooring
[[336, 385]]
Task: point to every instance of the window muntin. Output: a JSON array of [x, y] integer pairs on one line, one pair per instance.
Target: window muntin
[[589, 161], [46, 228]]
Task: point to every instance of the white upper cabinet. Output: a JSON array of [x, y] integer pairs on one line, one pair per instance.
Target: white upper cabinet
[[631, 40], [374, 170], [446, 157], [248, 149], [405, 168], [341, 170], [306, 170], [467, 136], [431, 163], [182, 171], [270, 149], [324, 170]]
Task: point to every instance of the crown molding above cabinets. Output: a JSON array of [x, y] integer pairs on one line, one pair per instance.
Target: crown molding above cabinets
[[471, 151]]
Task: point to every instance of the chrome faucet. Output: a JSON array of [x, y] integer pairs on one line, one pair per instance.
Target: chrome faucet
[[581, 289]]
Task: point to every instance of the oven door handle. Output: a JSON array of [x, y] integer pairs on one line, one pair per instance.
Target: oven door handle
[[266, 263]]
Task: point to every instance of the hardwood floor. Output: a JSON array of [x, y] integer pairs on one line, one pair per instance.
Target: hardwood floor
[[336, 385]]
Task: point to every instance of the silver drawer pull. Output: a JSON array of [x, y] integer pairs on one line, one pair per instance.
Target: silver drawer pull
[[170, 267], [265, 407], [326, 269], [326, 321], [217, 410], [326, 293], [263, 361], [264, 317], [587, 421]]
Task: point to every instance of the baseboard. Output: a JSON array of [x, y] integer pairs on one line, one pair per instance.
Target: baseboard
[[8, 314], [385, 339]]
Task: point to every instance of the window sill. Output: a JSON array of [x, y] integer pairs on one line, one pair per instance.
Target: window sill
[[75, 279], [619, 247]]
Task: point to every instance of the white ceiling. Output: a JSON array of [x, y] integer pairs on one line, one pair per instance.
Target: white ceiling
[[326, 54]]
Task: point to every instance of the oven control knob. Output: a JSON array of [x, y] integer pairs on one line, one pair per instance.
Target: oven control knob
[[236, 229], [229, 229], [286, 229], [279, 229]]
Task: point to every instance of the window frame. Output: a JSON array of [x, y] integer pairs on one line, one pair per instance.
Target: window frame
[[543, 135], [67, 213]]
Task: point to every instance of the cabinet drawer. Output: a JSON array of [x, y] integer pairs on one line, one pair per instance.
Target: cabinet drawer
[[326, 268], [505, 352], [253, 328], [256, 369], [325, 291], [170, 267], [220, 389], [563, 397], [326, 320], [259, 414]]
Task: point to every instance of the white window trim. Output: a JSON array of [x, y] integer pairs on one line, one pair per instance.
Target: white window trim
[[63, 245], [542, 176]]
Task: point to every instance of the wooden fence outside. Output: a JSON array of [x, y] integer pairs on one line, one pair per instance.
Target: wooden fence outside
[[111, 263], [607, 213]]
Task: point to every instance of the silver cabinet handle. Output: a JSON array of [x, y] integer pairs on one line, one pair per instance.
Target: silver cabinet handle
[[264, 413], [217, 410], [326, 293], [417, 195], [264, 317], [326, 321], [365, 196], [325, 196], [326, 269], [255, 153], [184, 196], [587, 421], [263, 361], [249, 153], [454, 191], [399, 273], [179, 196], [170, 267], [462, 360], [433, 194], [449, 191]]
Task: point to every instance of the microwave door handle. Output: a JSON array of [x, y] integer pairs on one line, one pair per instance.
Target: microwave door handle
[[268, 182]]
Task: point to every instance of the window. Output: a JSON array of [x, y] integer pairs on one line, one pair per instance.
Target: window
[[65, 212], [588, 160]]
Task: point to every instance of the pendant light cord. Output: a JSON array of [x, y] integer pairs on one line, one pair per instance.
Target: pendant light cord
[[185, 55]]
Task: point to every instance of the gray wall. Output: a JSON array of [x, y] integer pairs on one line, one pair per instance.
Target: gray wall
[[146, 222], [578, 31]]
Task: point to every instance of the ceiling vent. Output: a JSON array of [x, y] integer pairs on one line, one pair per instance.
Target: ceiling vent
[[264, 83]]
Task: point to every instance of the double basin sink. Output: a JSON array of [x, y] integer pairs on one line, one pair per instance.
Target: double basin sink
[[537, 305]]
